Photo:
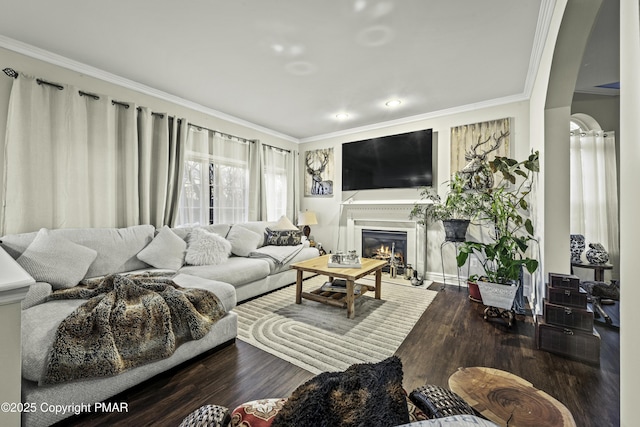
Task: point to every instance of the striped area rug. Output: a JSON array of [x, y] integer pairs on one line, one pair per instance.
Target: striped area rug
[[319, 337]]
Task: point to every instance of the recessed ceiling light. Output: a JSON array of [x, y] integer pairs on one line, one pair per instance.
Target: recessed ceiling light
[[393, 103], [342, 116]]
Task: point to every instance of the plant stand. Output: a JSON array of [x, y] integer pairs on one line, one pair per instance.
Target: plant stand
[[499, 300], [442, 245], [495, 312]]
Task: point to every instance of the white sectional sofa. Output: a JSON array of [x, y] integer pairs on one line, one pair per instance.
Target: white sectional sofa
[[260, 268]]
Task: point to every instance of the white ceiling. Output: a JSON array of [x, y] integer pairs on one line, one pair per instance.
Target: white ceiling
[[291, 65]]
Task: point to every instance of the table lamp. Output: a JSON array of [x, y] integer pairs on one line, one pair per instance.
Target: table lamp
[[307, 218]]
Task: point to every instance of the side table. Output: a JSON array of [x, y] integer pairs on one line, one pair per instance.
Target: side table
[[507, 399], [598, 269]]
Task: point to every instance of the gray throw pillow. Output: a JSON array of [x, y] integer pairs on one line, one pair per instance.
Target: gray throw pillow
[[56, 260], [243, 241], [166, 250], [206, 248]]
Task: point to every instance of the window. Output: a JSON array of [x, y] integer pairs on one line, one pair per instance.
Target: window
[[215, 187]]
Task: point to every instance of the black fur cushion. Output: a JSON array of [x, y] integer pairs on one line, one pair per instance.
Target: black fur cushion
[[368, 394]]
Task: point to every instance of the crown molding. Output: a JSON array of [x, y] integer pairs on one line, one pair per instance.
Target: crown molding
[[61, 61], [426, 116], [545, 17]]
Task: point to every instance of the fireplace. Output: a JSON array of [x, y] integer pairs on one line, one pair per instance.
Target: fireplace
[[386, 245]]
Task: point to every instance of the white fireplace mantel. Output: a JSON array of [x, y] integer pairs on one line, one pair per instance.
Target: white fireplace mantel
[[386, 215]]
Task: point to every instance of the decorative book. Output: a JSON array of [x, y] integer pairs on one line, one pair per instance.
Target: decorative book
[[339, 285], [344, 261]]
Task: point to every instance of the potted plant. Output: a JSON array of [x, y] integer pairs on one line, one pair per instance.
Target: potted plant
[[459, 207], [504, 211]]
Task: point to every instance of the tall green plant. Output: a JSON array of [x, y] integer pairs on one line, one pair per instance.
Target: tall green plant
[[504, 209]]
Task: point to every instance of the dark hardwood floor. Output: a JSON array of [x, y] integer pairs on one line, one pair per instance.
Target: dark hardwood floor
[[450, 334]]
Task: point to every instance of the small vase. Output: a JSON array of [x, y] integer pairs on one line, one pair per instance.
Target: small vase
[[597, 254], [577, 247]]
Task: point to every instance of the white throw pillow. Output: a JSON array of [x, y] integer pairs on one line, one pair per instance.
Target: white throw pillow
[[166, 250], [284, 223], [56, 260], [243, 241], [207, 248]]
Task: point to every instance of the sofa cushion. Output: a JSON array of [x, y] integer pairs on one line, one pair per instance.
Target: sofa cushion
[[256, 413], [37, 294], [206, 248], [243, 240], [166, 250], [257, 227], [219, 229], [116, 247], [364, 394], [237, 271], [56, 260], [225, 292]]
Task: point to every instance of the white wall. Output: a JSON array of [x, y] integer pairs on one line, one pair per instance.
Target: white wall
[[629, 208], [328, 210]]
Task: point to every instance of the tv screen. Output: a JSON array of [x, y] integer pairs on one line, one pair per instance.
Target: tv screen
[[394, 161]]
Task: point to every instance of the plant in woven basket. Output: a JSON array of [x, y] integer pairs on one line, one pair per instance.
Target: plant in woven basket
[[504, 211]]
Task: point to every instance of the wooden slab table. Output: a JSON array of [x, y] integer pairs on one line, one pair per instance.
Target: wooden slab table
[[350, 275], [507, 399]]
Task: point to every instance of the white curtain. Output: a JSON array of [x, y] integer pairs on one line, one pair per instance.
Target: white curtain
[[215, 179], [275, 179], [594, 190], [76, 161]]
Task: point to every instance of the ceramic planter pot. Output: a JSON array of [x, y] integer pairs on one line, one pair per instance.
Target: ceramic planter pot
[[474, 292], [455, 230], [498, 295]]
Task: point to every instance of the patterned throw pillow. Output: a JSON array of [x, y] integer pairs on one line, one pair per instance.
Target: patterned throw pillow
[[282, 237], [207, 416], [257, 413]]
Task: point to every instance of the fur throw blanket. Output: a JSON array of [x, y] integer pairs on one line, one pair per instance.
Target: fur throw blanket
[[367, 394], [127, 322]]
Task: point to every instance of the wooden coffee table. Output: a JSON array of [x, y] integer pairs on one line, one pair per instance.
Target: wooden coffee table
[[339, 299], [507, 399]]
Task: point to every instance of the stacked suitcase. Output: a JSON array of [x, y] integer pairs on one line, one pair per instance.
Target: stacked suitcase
[[566, 326]]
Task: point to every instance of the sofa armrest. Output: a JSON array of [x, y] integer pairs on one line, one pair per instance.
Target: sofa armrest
[[37, 294]]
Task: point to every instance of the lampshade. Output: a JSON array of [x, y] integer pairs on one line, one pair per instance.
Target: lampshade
[[307, 218]]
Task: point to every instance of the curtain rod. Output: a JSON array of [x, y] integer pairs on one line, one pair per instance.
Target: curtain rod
[[228, 135], [14, 74]]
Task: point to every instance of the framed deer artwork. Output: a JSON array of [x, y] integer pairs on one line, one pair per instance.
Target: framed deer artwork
[[474, 145], [318, 177]]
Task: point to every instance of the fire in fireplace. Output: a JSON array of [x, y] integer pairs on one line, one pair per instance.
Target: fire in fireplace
[[385, 245]]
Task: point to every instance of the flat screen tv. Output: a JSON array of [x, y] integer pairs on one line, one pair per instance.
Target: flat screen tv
[[394, 161]]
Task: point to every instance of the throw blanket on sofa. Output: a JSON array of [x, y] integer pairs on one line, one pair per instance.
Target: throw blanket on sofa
[[127, 322], [280, 255]]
